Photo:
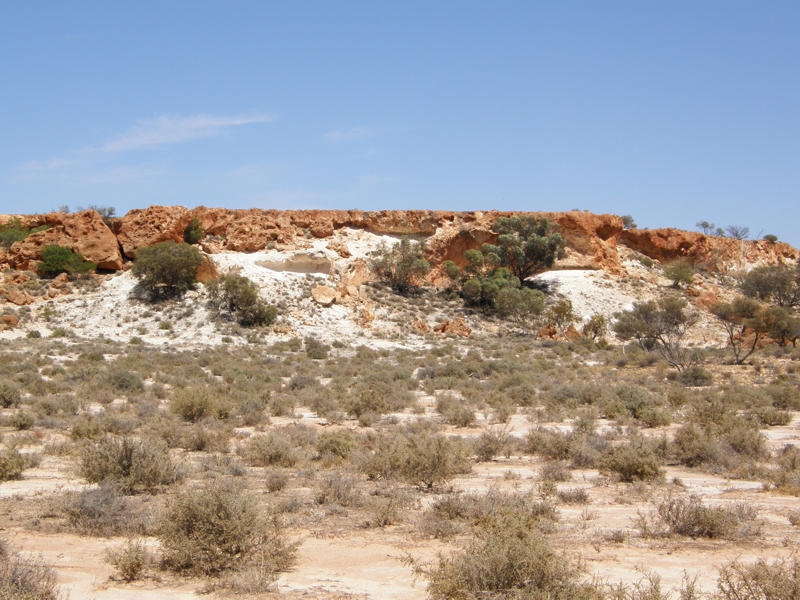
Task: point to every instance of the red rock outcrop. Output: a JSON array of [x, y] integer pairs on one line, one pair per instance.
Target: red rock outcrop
[[142, 228], [456, 326], [711, 252], [83, 232]]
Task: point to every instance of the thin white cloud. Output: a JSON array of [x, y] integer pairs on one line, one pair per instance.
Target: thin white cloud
[[351, 135], [173, 130]]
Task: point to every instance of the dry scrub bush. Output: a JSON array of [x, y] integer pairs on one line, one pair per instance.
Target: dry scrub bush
[[130, 560], [25, 578], [101, 512], [337, 444], [418, 458], [275, 448], [217, 528], [506, 559], [133, 465], [688, 516], [634, 461], [196, 403], [12, 463], [779, 580], [9, 394], [455, 411], [339, 488]]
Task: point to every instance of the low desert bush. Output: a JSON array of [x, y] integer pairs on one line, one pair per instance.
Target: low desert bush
[[635, 461], [338, 444], [761, 580], [101, 512], [12, 463], [133, 465], [198, 402], [130, 561], [338, 488], [455, 411], [688, 516], [9, 394], [218, 527], [505, 559], [273, 449], [25, 578]]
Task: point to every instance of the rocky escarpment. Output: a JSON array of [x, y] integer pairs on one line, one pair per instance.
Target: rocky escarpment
[[594, 241]]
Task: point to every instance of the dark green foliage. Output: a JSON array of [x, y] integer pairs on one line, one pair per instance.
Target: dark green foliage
[[167, 270], [58, 259], [401, 265], [661, 326], [13, 231], [239, 296], [218, 527], [193, 232], [777, 285], [770, 238], [525, 245], [315, 349], [336, 443], [737, 318]]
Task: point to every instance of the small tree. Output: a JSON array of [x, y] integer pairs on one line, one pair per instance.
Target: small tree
[[561, 315], [660, 326], [782, 326], [706, 227], [401, 265], [167, 270], [239, 296], [595, 328], [736, 318], [770, 238], [58, 259], [525, 245], [778, 285], [521, 304], [738, 232], [628, 222], [193, 232], [680, 273]]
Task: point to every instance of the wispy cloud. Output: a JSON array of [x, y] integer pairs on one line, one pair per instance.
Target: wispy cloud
[[173, 130], [351, 135]]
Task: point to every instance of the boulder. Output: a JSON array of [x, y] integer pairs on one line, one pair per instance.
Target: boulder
[[19, 297], [339, 247], [420, 326], [83, 232], [207, 271], [456, 326], [324, 295], [142, 228], [8, 321]]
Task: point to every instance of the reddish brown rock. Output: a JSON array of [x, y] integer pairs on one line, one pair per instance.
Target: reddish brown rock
[[19, 297], [83, 232], [339, 247], [9, 321], [456, 326], [207, 271], [420, 326], [572, 334], [142, 228]]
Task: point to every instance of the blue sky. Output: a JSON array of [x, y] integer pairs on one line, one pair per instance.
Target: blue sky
[[672, 112]]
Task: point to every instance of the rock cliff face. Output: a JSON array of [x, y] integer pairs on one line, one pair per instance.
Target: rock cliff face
[[593, 240]]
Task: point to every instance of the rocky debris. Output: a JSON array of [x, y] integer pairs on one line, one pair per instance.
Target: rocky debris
[[142, 228], [456, 326], [284, 330], [324, 295], [420, 326], [339, 247], [8, 322], [83, 232], [365, 316], [16, 278], [572, 334], [14, 295]]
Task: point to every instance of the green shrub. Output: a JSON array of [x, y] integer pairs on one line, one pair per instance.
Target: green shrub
[[455, 411], [133, 465], [12, 463], [636, 461], [21, 420], [196, 403], [130, 560], [401, 265], [239, 296], [273, 449], [193, 232], [9, 394], [13, 232], [339, 443], [58, 259], [166, 270], [124, 381], [680, 273], [217, 528]]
